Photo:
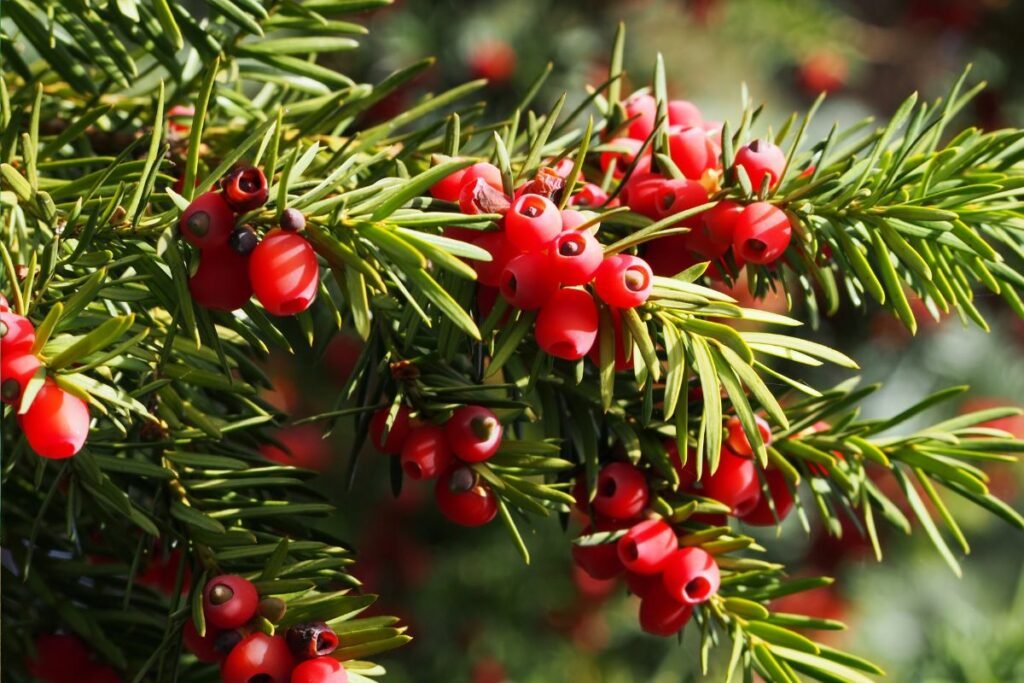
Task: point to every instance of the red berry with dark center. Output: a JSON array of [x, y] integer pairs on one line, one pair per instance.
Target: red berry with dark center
[[567, 324], [734, 483], [684, 113], [208, 221], [17, 334], [58, 658], [447, 188], [779, 496], [320, 670], [719, 222], [763, 162], [528, 281], [661, 615], [643, 109], [395, 439], [259, 658], [474, 433], [221, 282], [762, 233], [284, 273], [487, 172], [737, 439], [675, 196], [203, 647], [589, 196], [691, 151], [501, 251], [245, 189], [532, 222], [311, 639], [15, 372], [621, 159], [624, 281], [575, 257], [621, 491], [477, 196], [292, 220], [691, 576], [641, 194], [623, 356], [464, 499], [426, 453], [57, 423], [646, 546], [600, 560], [229, 601]]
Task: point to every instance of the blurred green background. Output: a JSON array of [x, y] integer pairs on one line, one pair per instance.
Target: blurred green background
[[476, 612]]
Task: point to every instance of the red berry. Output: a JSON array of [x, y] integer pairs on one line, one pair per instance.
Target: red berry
[[284, 273], [691, 576], [57, 423], [320, 670], [734, 483], [15, 372], [501, 251], [737, 439], [624, 281], [762, 233], [719, 222], [684, 113], [668, 256], [661, 615], [643, 109], [203, 647], [567, 324], [245, 189], [600, 560], [622, 361], [623, 159], [447, 188], [646, 546], [396, 436], [641, 585], [621, 491], [17, 334], [464, 499], [589, 196], [528, 281], [688, 472], [221, 282], [489, 173], [474, 433], [779, 495], [641, 193], [674, 196], [691, 151], [208, 221], [477, 196], [575, 257], [762, 159], [572, 219], [179, 118], [532, 222], [425, 453], [4, 304], [59, 658], [258, 657], [229, 601], [100, 674]]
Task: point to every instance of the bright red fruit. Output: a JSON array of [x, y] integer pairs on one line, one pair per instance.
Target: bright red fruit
[[691, 576], [501, 251], [575, 257], [623, 159], [201, 646], [643, 584], [245, 189], [600, 560], [221, 282], [589, 196], [464, 499], [16, 369], [425, 453], [448, 187], [59, 658], [473, 433], [661, 615], [719, 222], [762, 159], [4, 304], [641, 194], [779, 496], [737, 439], [399, 430], [572, 219], [528, 281], [691, 151], [688, 472], [489, 173], [208, 221], [624, 281], [229, 601], [532, 222], [646, 546], [284, 273], [258, 657], [762, 233], [320, 670], [674, 196], [17, 333], [734, 483], [57, 423], [684, 113], [567, 324], [668, 256], [621, 491], [643, 109]]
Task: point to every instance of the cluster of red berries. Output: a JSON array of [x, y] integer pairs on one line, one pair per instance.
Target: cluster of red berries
[[56, 424], [64, 658], [445, 452], [281, 270], [302, 655], [542, 258]]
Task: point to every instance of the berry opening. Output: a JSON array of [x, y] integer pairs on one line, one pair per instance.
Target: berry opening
[[755, 146], [630, 550], [608, 488], [483, 427], [248, 182], [571, 246], [509, 284], [326, 643], [668, 199], [698, 589], [635, 279], [532, 207], [199, 223], [220, 594], [754, 246], [413, 470]]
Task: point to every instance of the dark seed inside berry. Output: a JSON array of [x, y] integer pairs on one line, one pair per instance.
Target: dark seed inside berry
[[668, 200], [220, 594], [483, 427], [199, 223], [635, 280], [531, 211], [608, 488], [462, 480], [755, 246], [570, 247], [510, 283], [755, 146], [243, 241]]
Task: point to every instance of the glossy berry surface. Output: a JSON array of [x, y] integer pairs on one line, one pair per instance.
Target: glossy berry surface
[[528, 281], [624, 281], [573, 219], [208, 221], [684, 113], [599, 560], [646, 546], [642, 584], [674, 196], [691, 151], [16, 369], [621, 491], [57, 423], [464, 499], [640, 193], [17, 333], [589, 196], [425, 453], [203, 647], [763, 162], [719, 222], [284, 273], [567, 324], [396, 436], [448, 187], [691, 576], [320, 670], [229, 601], [221, 282], [259, 658], [473, 433], [485, 171], [736, 438], [643, 109], [494, 243], [779, 497], [734, 483], [532, 222], [661, 615], [575, 257], [762, 233], [245, 189]]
